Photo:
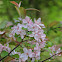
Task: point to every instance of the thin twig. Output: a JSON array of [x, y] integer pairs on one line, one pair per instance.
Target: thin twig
[[57, 27], [50, 57], [10, 52], [32, 9]]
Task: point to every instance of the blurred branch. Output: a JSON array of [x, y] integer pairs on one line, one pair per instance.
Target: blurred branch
[[57, 27], [54, 29], [51, 57]]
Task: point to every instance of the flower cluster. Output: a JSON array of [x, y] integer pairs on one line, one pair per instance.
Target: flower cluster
[[55, 50], [30, 34], [6, 48], [36, 38], [36, 32]]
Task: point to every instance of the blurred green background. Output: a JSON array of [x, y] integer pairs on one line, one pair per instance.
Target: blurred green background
[[50, 13], [50, 10]]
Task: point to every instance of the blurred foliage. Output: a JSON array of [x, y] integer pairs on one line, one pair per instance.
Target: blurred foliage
[[50, 12]]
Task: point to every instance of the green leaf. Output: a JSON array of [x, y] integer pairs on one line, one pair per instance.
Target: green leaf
[[61, 48], [50, 44], [19, 48], [31, 38], [3, 24], [22, 46], [24, 28], [53, 23], [49, 50], [30, 32], [15, 56], [26, 38], [12, 46], [19, 39], [28, 44], [16, 35], [21, 11], [3, 40], [4, 53], [34, 45]]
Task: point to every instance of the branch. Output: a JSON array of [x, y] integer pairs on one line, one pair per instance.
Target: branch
[[50, 57], [57, 27], [10, 52], [32, 9]]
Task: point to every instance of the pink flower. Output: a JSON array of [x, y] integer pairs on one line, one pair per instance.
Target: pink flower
[[33, 59], [58, 51], [1, 48], [55, 50], [37, 55], [42, 44], [18, 30], [1, 32], [26, 20], [37, 47], [6, 48], [23, 57], [37, 34], [38, 23], [14, 52], [9, 24], [28, 52], [52, 48]]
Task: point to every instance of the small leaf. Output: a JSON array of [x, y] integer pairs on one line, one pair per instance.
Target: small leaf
[[61, 48], [16, 35], [28, 45], [22, 45], [26, 38], [53, 23], [30, 32], [12, 46], [13, 2], [47, 49], [3, 40], [32, 9], [34, 45], [31, 38], [24, 28], [15, 56], [49, 44], [21, 11], [3, 24], [19, 3], [4, 53], [19, 39]]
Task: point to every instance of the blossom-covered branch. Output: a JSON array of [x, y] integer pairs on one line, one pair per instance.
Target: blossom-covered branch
[[29, 35], [10, 52], [34, 34], [51, 57]]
